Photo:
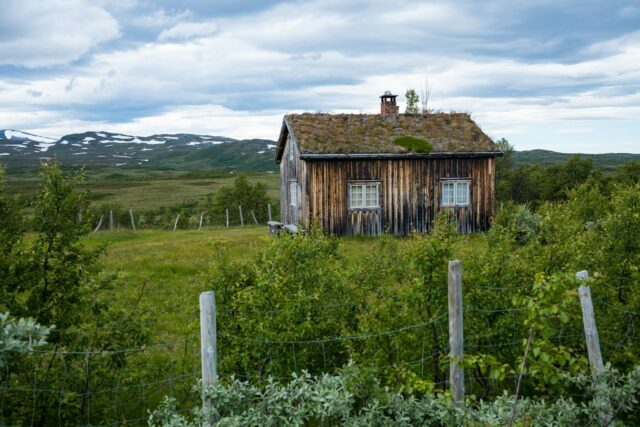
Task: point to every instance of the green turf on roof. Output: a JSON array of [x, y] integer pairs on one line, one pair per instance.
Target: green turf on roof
[[416, 145]]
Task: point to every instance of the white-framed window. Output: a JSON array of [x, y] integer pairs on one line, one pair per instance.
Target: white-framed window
[[364, 195], [293, 193], [456, 193]]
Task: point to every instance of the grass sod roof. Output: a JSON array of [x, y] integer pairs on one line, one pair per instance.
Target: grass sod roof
[[373, 134]]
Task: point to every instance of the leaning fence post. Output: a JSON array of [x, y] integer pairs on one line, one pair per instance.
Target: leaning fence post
[[133, 223], [208, 348], [589, 321], [456, 370], [241, 217], [253, 214], [200, 225], [99, 224], [176, 223], [269, 209]]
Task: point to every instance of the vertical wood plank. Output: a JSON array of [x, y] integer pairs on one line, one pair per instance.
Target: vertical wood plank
[[456, 370], [241, 217]]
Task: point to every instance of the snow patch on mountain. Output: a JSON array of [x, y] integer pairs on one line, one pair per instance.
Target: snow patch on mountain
[[21, 136]]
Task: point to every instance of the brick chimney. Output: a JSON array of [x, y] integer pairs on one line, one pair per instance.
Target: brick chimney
[[388, 107]]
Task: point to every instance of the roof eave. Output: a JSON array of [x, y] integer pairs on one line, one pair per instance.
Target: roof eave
[[437, 155], [282, 139]]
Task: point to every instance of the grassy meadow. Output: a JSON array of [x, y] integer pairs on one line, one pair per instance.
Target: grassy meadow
[[141, 189]]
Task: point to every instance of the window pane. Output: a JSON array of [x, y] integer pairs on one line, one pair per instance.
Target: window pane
[[464, 193], [372, 196], [363, 196], [447, 193]]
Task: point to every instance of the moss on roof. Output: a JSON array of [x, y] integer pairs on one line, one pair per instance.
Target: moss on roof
[[372, 133]]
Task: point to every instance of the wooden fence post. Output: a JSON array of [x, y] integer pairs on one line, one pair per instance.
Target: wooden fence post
[[227, 212], [589, 321], [456, 370], [176, 223], [133, 223], [110, 220], [253, 214], [269, 210], [200, 225], [241, 217], [99, 224], [208, 346]]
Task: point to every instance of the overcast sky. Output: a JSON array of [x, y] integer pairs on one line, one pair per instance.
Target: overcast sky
[[561, 75]]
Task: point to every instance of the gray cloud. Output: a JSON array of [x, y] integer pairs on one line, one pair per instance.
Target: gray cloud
[[53, 32]]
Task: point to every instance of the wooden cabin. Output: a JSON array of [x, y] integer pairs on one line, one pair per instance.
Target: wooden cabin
[[367, 174]]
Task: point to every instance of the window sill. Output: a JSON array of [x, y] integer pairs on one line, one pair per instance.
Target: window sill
[[377, 208]]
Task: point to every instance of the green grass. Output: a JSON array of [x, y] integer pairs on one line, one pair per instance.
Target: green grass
[[169, 269], [142, 190]]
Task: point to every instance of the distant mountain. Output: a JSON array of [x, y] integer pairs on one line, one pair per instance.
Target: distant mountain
[[608, 162], [176, 151]]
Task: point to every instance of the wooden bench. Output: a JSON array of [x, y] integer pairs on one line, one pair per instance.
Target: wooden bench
[[293, 229]]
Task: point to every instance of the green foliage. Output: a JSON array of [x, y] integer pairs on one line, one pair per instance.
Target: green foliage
[[413, 102], [242, 193], [52, 277], [17, 337], [343, 399], [411, 143], [552, 309], [281, 297]]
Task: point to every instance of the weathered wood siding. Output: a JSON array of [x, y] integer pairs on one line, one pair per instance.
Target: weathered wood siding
[[292, 169], [409, 194]]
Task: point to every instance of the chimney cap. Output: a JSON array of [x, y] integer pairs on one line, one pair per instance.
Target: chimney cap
[[387, 93]]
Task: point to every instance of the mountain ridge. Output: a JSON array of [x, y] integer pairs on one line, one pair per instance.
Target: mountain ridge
[[184, 151]]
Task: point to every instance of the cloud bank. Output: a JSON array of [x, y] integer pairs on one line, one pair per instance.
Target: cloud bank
[[556, 75]]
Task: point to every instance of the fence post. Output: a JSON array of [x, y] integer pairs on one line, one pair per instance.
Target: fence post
[[200, 225], [208, 347], [241, 217], [133, 223], [227, 212], [253, 214], [269, 210], [99, 224], [176, 223], [456, 370], [110, 220], [589, 321]]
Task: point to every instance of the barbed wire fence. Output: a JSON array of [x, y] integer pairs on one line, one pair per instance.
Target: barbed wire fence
[[119, 386]]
